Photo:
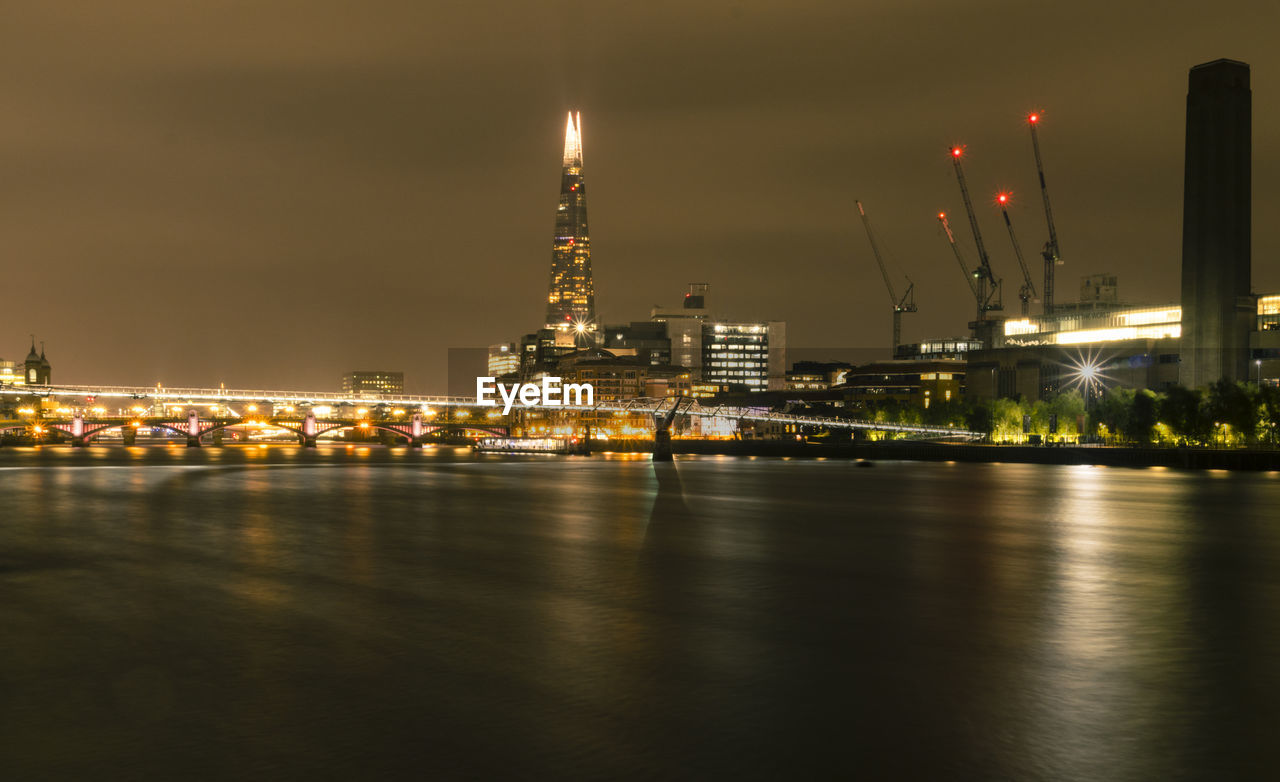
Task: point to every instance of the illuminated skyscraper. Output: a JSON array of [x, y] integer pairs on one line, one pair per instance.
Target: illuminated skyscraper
[[571, 301]]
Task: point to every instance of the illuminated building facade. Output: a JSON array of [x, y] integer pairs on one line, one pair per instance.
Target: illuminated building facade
[[1269, 313], [373, 382], [1129, 346], [740, 355], [806, 381], [571, 300], [664, 381], [1090, 326], [816, 375], [504, 360], [920, 383], [942, 347], [618, 376], [613, 377], [10, 374]]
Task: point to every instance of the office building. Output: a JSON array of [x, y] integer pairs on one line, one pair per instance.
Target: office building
[[373, 382], [504, 360], [648, 339], [816, 375], [920, 383], [684, 327], [739, 355]]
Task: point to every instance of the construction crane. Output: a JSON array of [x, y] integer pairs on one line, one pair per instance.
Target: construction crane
[[900, 305], [988, 285], [971, 278], [1028, 290], [1051, 253]]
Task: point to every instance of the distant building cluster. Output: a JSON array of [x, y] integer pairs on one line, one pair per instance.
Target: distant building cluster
[[684, 351], [1220, 328]]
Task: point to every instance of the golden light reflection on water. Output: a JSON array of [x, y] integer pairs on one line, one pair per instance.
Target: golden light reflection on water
[[1105, 613]]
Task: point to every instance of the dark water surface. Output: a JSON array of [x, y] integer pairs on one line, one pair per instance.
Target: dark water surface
[[264, 614]]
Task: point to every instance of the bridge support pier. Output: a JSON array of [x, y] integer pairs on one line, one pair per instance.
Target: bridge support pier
[[78, 442], [415, 431], [310, 430], [215, 439], [193, 429], [662, 446], [129, 436], [662, 433]]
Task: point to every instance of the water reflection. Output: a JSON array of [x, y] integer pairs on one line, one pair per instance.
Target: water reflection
[[438, 613]]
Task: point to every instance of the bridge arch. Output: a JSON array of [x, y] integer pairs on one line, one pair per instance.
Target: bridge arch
[[91, 432], [220, 425]]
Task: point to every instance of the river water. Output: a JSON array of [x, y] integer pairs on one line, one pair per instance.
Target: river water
[[269, 613]]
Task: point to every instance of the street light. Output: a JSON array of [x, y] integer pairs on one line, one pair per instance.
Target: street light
[[1257, 362]]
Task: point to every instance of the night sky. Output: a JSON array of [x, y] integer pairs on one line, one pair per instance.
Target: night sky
[[269, 194]]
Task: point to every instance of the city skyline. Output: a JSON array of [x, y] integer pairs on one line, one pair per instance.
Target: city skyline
[[288, 200]]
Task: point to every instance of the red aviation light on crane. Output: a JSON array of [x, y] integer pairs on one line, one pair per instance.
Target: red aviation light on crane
[[942, 215], [957, 151], [1033, 118], [1002, 199]]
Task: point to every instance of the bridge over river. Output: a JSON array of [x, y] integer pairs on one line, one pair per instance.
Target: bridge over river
[[416, 418]]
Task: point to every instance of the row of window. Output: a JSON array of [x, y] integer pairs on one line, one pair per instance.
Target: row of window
[[752, 377]]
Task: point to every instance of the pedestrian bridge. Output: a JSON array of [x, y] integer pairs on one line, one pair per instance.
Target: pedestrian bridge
[[413, 417]]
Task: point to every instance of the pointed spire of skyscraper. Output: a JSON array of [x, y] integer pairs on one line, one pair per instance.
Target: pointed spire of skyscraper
[[573, 141]]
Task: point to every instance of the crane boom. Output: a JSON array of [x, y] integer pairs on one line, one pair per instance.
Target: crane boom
[[1051, 253], [1028, 290], [900, 305], [875, 250], [988, 285], [971, 278]]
